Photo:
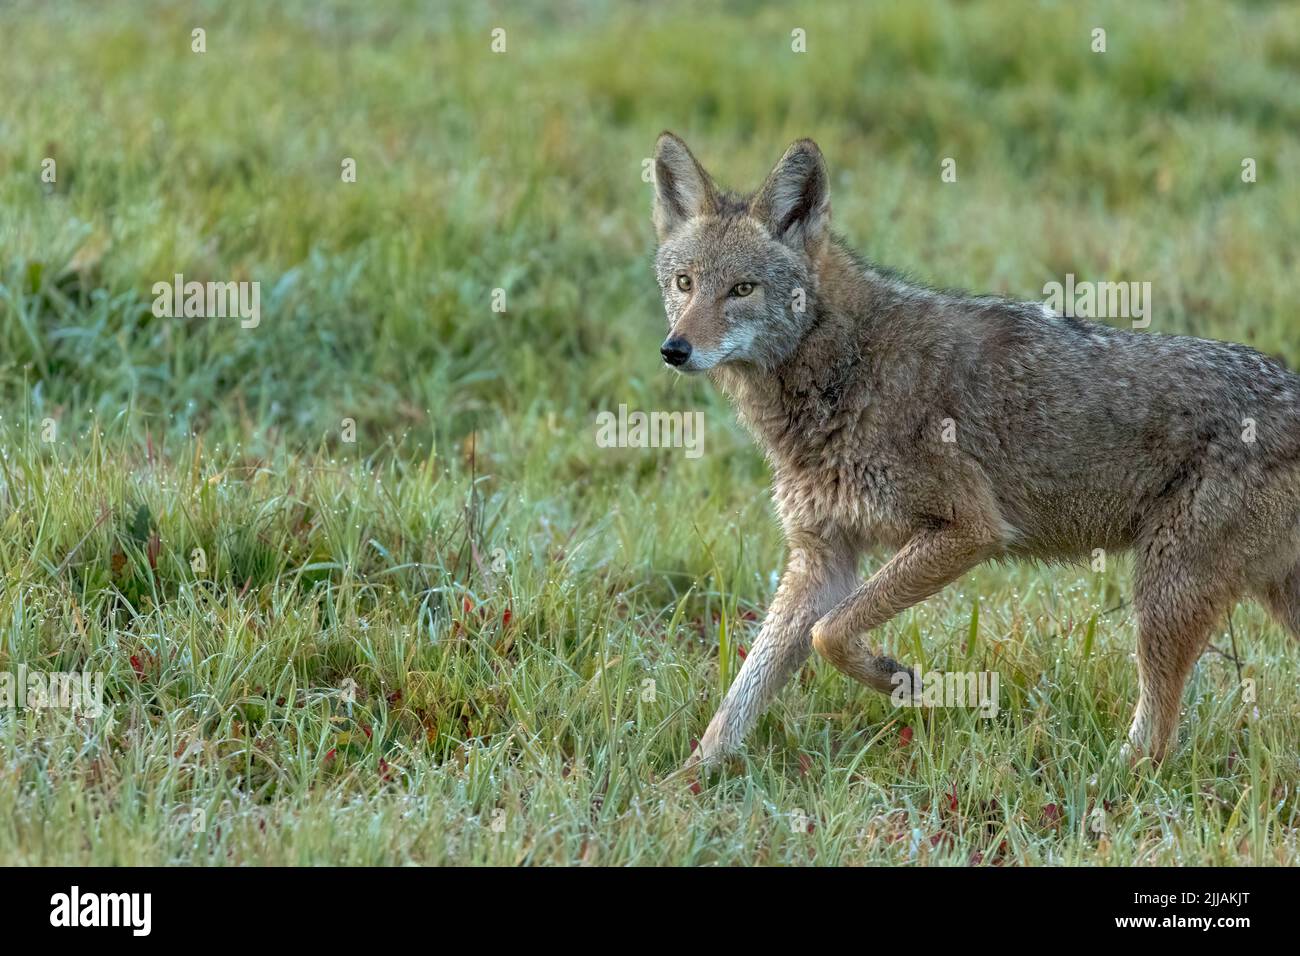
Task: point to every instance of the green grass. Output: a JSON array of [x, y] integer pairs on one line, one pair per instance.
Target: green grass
[[497, 589]]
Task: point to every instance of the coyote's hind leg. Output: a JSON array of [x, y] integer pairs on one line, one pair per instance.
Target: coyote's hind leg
[[1177, 608]]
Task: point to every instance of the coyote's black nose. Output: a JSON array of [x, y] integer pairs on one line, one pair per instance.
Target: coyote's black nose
[[675, 351]]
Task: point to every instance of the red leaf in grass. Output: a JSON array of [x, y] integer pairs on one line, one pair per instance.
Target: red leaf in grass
[[695, 787], [805, 764], [395, 697], [465, 606], [695, 742], [505, 618], [385, 772], [740, 651], [951, 799], [137, 667], [153, 549], [1051, 815], [331, 755], [904, 736], [365, 729]]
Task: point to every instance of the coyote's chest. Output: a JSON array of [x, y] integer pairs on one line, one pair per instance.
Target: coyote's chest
[[831, 476], [851, 496], [832, 470]]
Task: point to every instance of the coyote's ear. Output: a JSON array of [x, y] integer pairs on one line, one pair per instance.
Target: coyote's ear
[[795, 202], [683, 189]]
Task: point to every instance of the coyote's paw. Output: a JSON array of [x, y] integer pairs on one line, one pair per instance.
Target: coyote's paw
[[902, 683], [855, 657], [694, 762], [689, 771], [1136, 758], [1137, 761]]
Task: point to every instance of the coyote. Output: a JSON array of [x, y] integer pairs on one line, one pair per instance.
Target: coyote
[[960, 428]]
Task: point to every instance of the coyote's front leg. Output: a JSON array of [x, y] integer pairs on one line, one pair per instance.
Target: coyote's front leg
[[929, 561], [816, 576]]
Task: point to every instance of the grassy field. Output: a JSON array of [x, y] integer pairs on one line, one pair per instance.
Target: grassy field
[[433, 643]]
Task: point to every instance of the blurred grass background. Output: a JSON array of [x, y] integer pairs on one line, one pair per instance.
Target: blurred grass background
[[328, 561]]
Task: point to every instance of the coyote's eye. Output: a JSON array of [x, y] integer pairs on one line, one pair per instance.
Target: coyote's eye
[[684, 282], [742, 289]]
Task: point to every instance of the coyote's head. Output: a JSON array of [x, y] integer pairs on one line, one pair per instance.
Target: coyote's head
[[738, 274]]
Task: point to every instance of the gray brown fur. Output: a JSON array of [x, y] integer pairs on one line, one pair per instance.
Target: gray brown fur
[[1069, 436]]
